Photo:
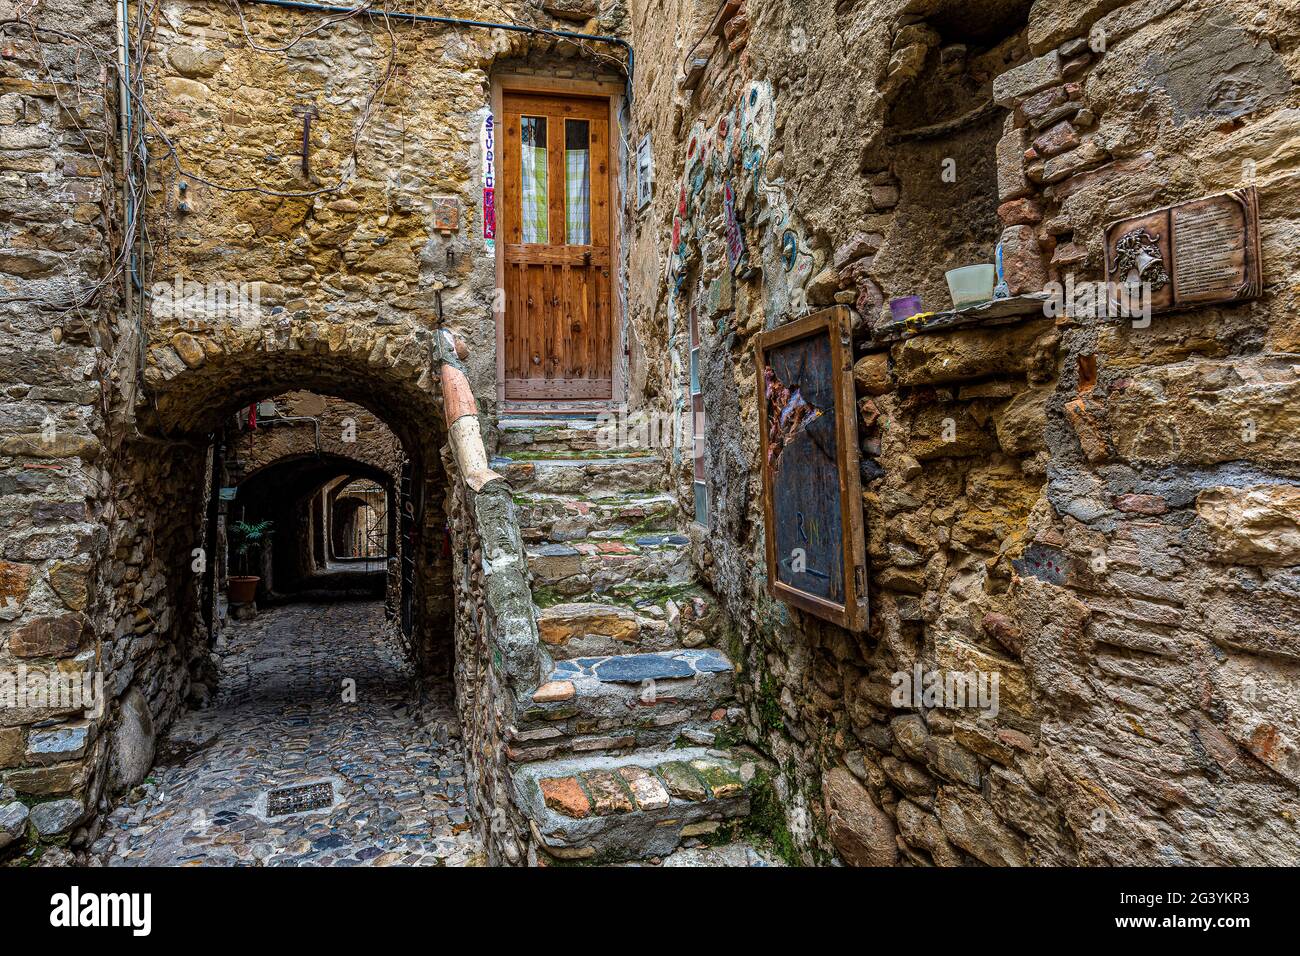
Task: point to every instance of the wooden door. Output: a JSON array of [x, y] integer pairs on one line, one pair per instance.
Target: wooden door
[[556, 236]]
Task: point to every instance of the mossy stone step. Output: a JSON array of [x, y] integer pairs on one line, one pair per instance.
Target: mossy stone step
[[637, 668], [647, 558], [578, 517], [609, 809], [605, 475]]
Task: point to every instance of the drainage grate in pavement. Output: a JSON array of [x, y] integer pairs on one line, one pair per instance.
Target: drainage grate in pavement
[[310, 796]]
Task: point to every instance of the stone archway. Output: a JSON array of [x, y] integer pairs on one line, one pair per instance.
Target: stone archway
[[196, 379], [168, 478], [362, 504], [155, 611], [294, 492]]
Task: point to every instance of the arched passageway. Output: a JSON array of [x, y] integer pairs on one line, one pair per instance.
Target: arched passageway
[[197, 446], [358, 510], [327, 538], [308, 699]]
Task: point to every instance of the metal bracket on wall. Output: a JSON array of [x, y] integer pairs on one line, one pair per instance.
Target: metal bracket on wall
[[308, 113]]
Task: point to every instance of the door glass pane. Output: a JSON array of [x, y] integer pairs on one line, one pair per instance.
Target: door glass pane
[[577, 173], [532, 136]]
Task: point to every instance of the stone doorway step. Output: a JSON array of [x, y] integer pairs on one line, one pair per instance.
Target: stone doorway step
[[628, 753]]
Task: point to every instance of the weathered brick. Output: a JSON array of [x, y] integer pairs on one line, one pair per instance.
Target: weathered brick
[[1027, 78], [683, 782], [554, 690], [565, 795], [607, 793], [1010, 154], [15, 583], [56, 636], [646, 789]]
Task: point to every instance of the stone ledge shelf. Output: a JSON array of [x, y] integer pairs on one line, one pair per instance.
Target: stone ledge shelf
[[994, 312]]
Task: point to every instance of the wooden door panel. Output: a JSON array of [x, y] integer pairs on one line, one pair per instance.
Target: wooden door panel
[[576, 322], [558, 338]]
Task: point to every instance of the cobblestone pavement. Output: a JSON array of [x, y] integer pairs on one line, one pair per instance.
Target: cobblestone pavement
[[281, 718]]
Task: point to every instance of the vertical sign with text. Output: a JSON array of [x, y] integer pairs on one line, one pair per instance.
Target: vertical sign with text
[[489, 182]]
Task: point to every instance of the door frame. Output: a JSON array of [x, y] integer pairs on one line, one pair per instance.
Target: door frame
[[611, 91]]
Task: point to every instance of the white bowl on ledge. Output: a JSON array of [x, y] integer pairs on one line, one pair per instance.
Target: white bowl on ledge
[[971, 285]]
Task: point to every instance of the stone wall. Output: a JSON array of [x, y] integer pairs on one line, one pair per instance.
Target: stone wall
[[396, 115], [65, 545], [312, 440], [337, 428], [1100, 513], [499, 660]]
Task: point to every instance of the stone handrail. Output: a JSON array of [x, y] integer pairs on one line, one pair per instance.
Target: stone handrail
[[507, 595]]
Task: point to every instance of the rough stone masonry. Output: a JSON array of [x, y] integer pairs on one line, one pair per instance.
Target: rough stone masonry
[[1105, 515]]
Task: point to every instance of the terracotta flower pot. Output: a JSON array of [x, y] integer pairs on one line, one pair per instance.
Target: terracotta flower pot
[[242, 589]]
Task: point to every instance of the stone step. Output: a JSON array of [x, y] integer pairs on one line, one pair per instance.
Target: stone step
[[578, 517], [741, 853], [646, 597], [590, 630], [626, 701], [578, 566], [668, 618], [597, 476], [549, 434], [610, 809]]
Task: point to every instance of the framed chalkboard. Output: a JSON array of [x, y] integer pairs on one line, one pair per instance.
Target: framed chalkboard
[[812, 494]]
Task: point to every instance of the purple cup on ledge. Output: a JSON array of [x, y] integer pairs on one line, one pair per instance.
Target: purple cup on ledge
[[904, 307]]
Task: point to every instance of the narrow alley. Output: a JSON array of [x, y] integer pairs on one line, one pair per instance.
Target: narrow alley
[[284, 716]]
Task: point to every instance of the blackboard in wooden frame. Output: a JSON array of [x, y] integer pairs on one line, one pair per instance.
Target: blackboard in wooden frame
[[808, 448]]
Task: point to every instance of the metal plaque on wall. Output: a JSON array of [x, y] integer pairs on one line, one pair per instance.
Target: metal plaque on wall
[[1193, 253]]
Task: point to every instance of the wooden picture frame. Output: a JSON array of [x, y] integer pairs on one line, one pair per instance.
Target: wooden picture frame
[[812, 492]]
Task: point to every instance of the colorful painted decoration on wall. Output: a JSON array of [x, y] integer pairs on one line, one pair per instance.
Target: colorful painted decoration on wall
[[644, 172], [735, 240], [812, 495], [730, 158]]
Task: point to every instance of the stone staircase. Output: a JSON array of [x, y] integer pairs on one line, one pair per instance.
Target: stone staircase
[[625, 752]]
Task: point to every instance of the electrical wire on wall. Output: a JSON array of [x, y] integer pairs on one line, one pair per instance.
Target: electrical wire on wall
[[89, 69], [130, 247], [338, 15]]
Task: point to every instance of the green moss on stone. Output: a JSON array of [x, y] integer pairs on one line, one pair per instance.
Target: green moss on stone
[[769, 704], [766, 821], [728, 736]]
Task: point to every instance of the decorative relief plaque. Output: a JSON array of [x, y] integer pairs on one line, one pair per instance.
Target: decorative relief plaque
[[1191, 254]]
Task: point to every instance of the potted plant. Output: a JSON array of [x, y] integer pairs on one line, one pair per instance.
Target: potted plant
[[245, 536]]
